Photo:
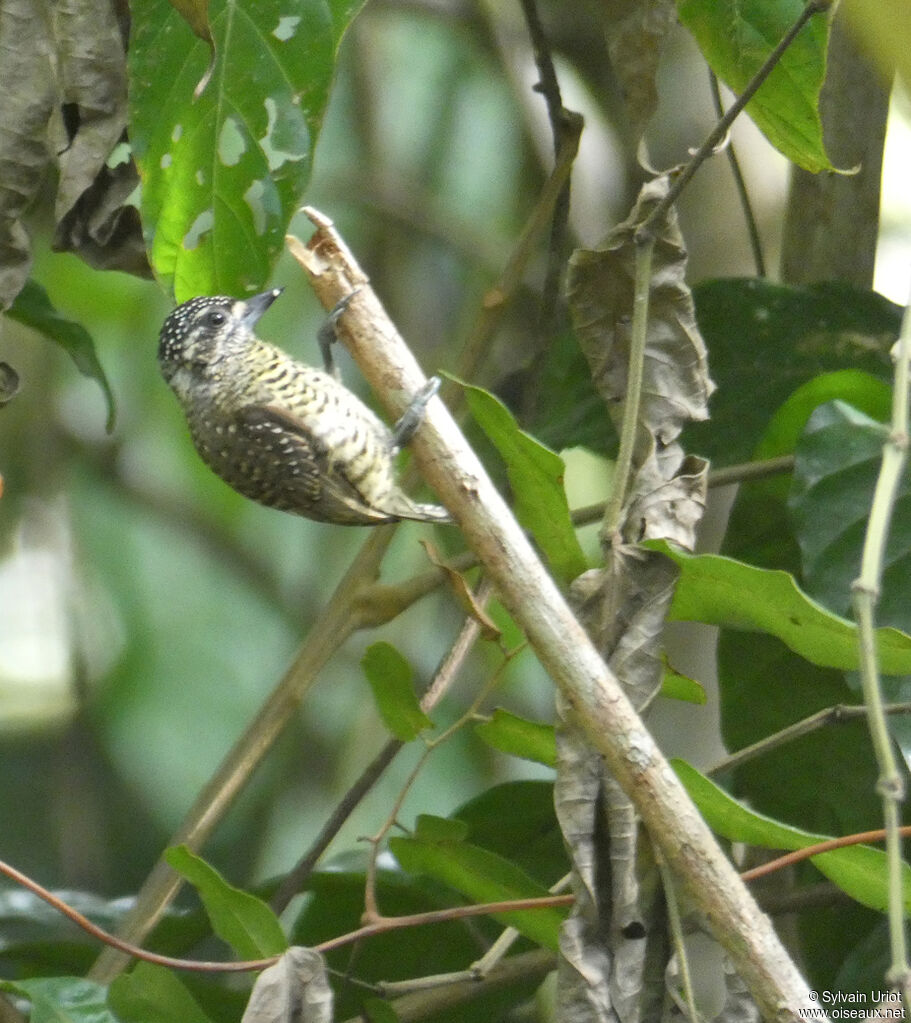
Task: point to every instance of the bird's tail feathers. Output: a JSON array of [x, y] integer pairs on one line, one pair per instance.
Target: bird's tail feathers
[[418, 512]]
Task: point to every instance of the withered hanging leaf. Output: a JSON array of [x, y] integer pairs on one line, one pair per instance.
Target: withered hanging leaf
[[600, 287], [63, 82], [103, 225], [93, 85], [9, 383], [459, 585], [294, 990], [27, 84], [635, 31], [666, 498], [623, 606], [196, 14]]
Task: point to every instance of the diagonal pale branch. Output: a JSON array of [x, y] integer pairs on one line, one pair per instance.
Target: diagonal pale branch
[[562, 646]]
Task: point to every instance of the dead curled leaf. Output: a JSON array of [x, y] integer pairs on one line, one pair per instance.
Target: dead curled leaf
[[64, 85], [459, 586], [666, 495], [294, 990], [623, 605], [635, 31]]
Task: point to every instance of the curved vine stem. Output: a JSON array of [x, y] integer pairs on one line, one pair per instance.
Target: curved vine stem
[[865, 591]]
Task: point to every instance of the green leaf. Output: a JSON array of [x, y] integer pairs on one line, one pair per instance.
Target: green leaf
[[152, 994], [737, 36], [517, 820], [245, 922], [223, 174], [838, 461], [720, 591], [481, 876], [536, 477], [863, 391], [392, 682], [508, 733], [379, 1011], [859, 870], [335, 905], [33, 308], [765, 687], [784, 337], [62, 999], [510, 818], [430, 828], [675, 686]]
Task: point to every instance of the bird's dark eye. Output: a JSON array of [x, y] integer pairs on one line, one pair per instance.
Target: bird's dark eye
[[214, 318]]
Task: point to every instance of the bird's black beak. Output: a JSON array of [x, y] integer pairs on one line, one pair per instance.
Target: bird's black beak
[[255, 307]]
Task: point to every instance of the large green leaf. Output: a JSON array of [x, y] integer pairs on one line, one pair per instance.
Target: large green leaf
[[152, 994], [509, 733], [825, 780], [737, 36], [536, 477], [838, 461], [62, 999], [858, 870], [223, 174], [481, 876], [783, 337], [517, 820], [240, 919], [721, 591]]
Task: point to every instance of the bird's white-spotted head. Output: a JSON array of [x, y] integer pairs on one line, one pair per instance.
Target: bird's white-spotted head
[[203, 331]]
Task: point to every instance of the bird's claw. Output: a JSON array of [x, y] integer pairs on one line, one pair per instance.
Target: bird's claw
[[327, 335], [411, 418]]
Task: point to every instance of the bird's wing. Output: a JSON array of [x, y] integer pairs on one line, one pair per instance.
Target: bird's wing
[[307, 482]]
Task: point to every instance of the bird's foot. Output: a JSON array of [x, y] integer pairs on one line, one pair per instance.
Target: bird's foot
[[406, 427], [327, 334]]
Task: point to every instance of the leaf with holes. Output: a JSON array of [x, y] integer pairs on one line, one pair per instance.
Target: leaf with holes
[[223, 175]]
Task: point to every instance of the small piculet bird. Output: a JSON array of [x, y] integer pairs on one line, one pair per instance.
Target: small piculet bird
[[285, 434]]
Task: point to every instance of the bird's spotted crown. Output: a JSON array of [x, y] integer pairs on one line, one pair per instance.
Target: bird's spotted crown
[[179, 326]]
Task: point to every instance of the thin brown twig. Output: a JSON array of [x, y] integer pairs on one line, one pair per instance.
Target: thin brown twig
[[797, 855], [378, 926], [562, 122], [739, 183], [383, 924], [371, 911], [835, 715]]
